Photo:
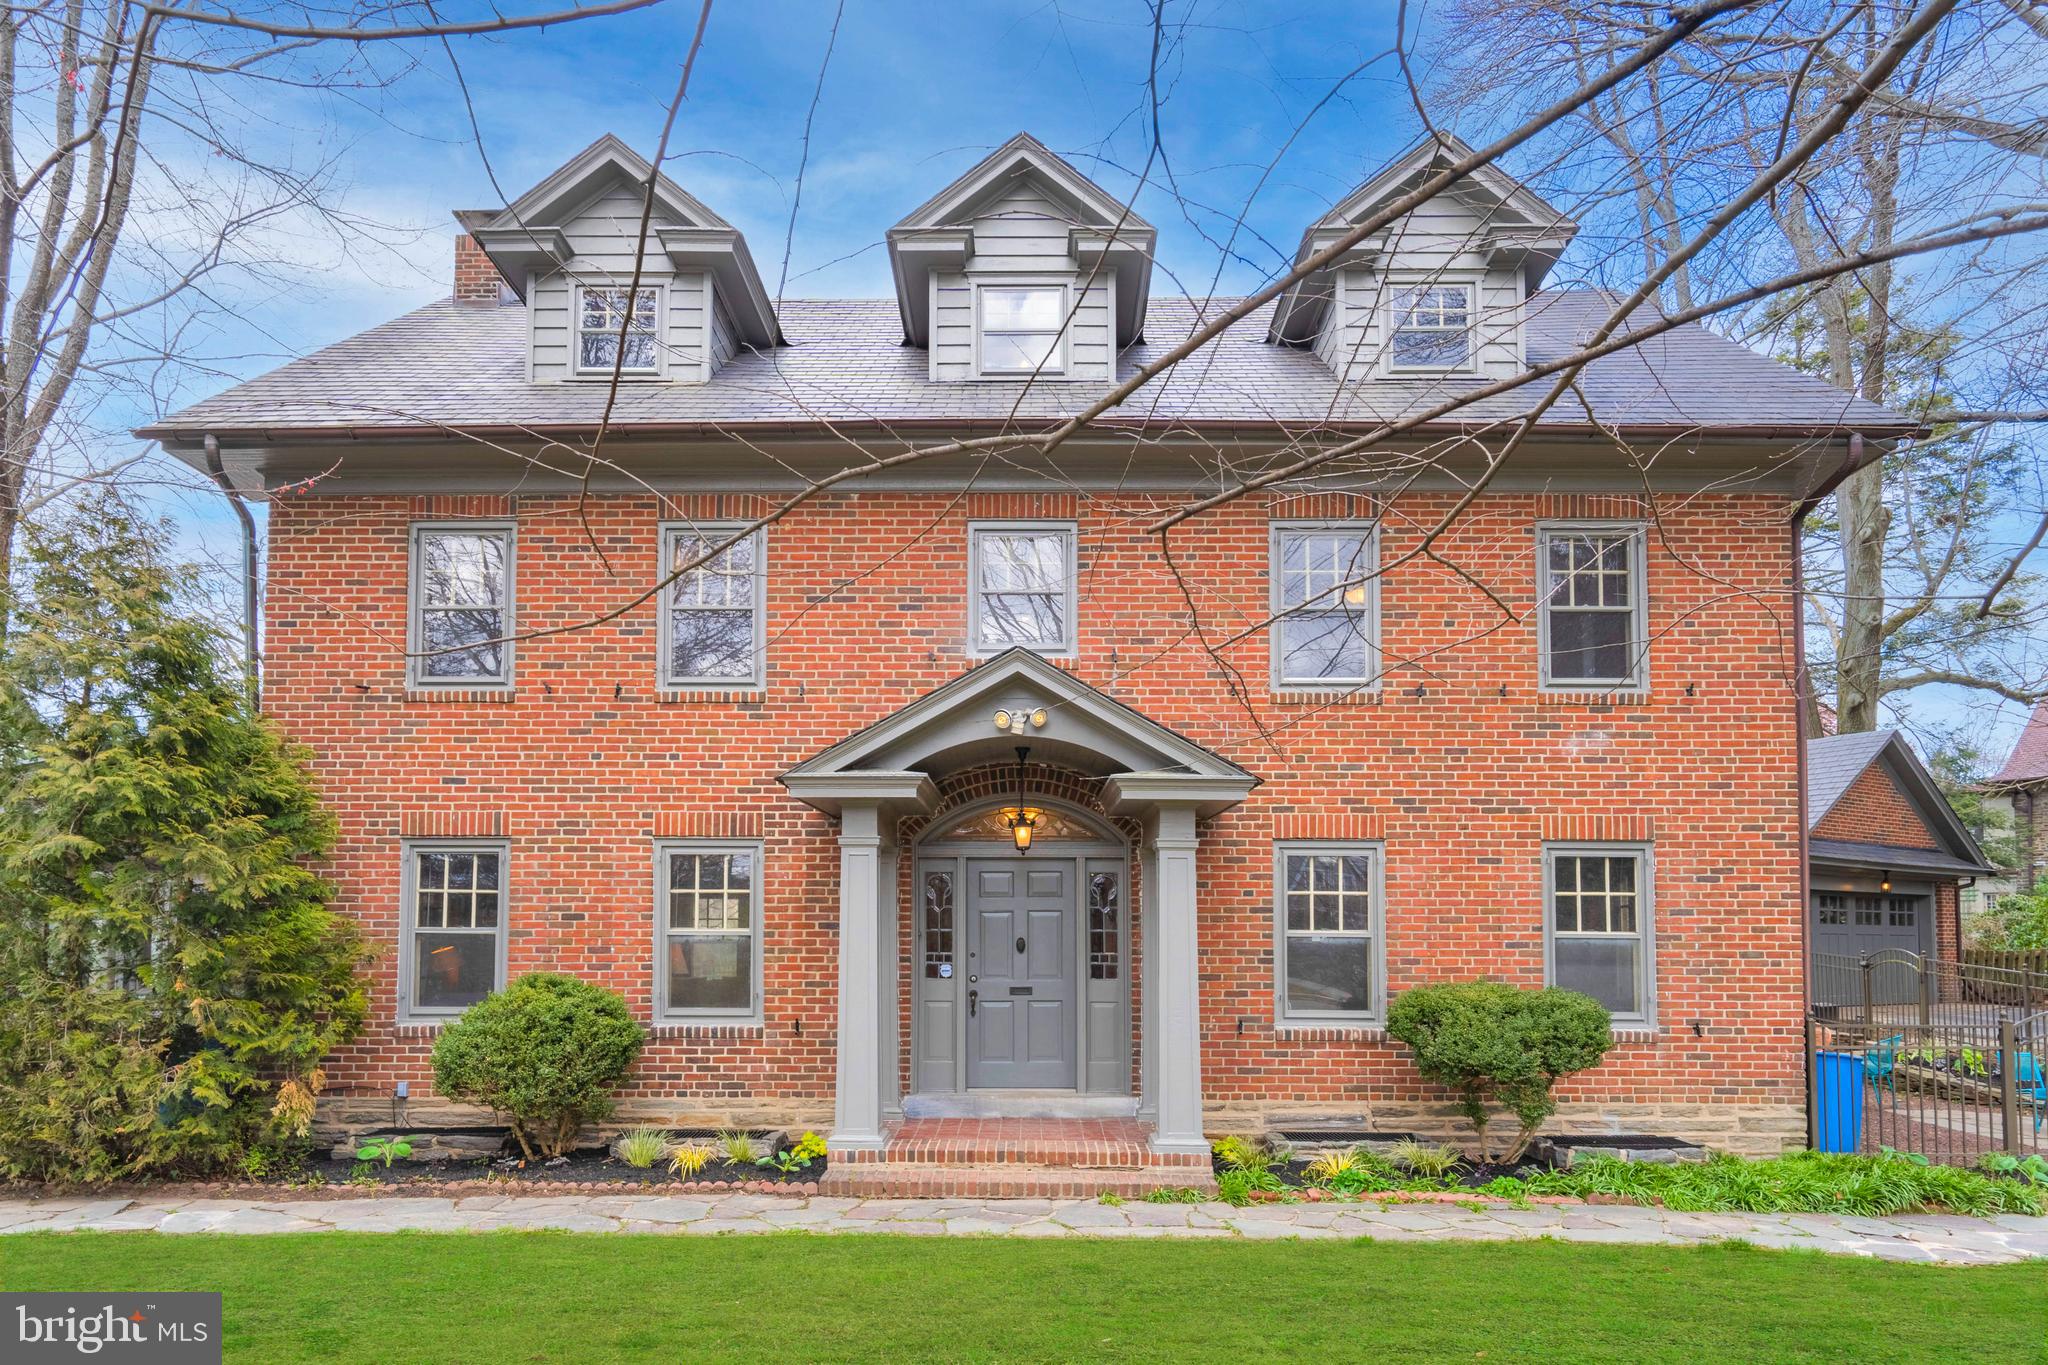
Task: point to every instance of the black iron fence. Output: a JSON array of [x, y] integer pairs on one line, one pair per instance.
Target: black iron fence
[[1929, 1056]]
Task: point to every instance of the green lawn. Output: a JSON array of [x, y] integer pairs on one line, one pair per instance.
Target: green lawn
[[566, 1297]]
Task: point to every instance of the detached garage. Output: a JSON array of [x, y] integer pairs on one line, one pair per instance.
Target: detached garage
[[1886, 857]]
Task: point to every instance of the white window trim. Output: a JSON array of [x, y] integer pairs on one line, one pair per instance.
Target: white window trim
[[415, 676], [754, 1013], [408, 918], [1646, 920], [1059, 369], [1277, 603], [1398, 283], [1068, 644], [1637, 532], [1376, 1012], [665, 565], [660, 314]]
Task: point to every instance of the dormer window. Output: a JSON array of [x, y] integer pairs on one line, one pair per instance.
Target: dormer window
[[1021, 329], [601, 312], [1432, 327]]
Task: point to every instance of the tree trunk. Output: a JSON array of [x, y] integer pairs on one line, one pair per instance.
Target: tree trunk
[[1859, 505]]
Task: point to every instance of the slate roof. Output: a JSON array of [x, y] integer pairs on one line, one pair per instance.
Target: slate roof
[[1833, 763], [2028, 761], [465, 365]]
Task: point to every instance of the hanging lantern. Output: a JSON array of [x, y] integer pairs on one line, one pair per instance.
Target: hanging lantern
[[1022, 820]]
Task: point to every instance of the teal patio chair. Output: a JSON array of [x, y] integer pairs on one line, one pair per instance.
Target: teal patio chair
[[1881, 1061], [2033, 1087]]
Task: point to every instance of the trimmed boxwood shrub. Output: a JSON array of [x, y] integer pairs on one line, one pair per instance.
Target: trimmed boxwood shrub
[[1491, 1042], [547, 1052]]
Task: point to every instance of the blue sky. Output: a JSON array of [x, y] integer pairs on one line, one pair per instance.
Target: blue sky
[[915, 93]]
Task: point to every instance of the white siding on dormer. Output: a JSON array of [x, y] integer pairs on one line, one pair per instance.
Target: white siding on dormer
[[1439, 240], [601, 238], [1022, 238]]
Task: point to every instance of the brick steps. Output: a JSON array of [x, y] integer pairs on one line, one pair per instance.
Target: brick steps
[[1087, 1154], [1005, 1180]]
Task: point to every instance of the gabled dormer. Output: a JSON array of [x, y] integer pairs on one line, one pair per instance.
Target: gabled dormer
[[1439, 292], [1022, 266], [566, 247]]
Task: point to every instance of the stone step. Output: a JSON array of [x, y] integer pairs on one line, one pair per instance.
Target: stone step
[[1007, 1180], [993, 1151]]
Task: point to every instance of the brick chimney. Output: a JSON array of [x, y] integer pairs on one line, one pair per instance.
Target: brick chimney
[[476, 279]]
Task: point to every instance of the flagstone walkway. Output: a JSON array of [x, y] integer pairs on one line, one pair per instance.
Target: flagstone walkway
[[1943, 1238]]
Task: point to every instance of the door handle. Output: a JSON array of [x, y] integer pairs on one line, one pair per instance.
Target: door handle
[[1020, 943], [973, 999]]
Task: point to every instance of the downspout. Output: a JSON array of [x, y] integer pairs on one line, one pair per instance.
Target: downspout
[[1801, 685], [250, 659]]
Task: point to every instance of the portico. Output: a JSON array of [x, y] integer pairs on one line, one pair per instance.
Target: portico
[[1021, 979]]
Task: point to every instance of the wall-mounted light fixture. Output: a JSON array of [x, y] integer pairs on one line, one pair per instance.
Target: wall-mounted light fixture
[[1019, 721], [1886, 884], [1023, 821]]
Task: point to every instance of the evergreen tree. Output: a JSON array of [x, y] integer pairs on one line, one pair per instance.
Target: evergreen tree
[[171, 974]]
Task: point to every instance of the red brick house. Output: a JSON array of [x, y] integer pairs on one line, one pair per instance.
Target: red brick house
[[774, 802]]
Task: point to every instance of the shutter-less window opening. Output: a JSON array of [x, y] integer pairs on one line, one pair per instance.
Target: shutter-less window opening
[[1597, 923], [601, 313], [462, 605], [1592, 624], [1328, 920], [1023, 588], [1021, 329], [454, 948], [712, 625], [1324, 580], [709, 917], [1432, 327]]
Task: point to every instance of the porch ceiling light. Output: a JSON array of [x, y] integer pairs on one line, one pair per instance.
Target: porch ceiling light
[[1022, 820]]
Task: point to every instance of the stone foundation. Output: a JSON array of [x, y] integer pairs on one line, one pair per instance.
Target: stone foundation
[[1744, 1129], [341, 1120]]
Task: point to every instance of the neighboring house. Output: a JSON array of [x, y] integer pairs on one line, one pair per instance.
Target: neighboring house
[[2020, 789], [1888, 858], [774, 805]]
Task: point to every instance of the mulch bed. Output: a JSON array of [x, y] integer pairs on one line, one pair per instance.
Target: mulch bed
[[594, 1171]]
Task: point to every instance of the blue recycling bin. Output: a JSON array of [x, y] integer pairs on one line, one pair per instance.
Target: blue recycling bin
[[1838, 1083]]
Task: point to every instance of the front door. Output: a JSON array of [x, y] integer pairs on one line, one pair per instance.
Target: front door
[[1021, 952]]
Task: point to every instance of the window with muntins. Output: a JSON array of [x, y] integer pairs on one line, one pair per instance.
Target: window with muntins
[[1597, 927], [1021, 329], [1590, 594], [712, 622], [938, 924], [461, 605], [1104, 916], [1023, 588], [1432, 327], [1326, 596], [455, 926], [602, 322], [709, 918], [1328, 962]]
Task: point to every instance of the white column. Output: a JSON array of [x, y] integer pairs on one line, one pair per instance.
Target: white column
[[1173, 984], [857, 1098]]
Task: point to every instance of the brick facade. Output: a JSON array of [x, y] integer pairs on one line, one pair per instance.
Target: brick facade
[[476, 279], [1875, 811], [1456, 763]]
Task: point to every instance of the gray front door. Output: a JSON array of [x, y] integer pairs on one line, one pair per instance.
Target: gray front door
[[1021, 952]]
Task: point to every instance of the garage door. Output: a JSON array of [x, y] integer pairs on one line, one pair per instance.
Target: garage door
[[1853, 926]]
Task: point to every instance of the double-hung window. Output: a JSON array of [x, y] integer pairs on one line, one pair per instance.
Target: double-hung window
[[1020, 329], [453, 951], [1591, 620], [1328, 963], [712, 620], [1432, 327], [1326, 598], [707, 930], [461, 605], [1596, 926], [602, 325], [1022, 588]]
